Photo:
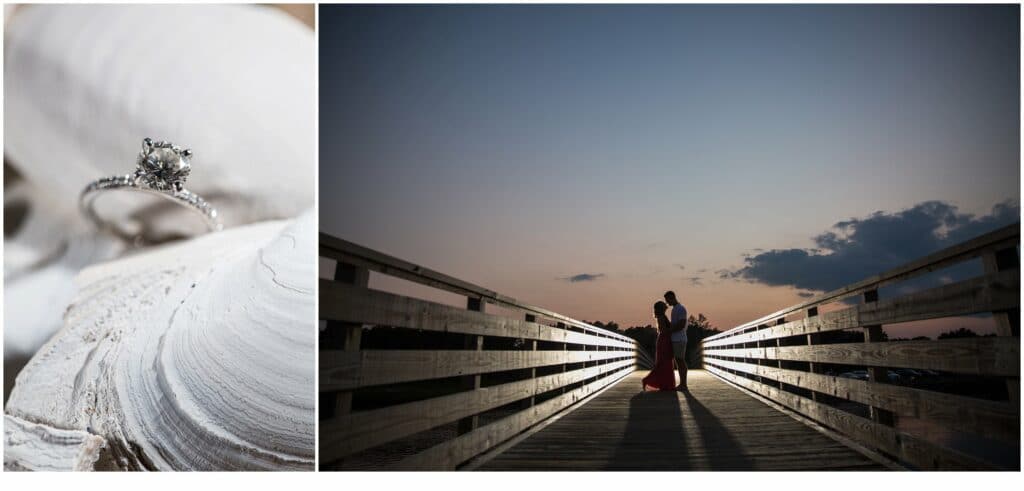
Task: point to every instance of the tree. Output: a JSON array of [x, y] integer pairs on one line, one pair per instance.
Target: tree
[[610, 325], [962, 332], [645, 336], [915, 338], [697, 328]]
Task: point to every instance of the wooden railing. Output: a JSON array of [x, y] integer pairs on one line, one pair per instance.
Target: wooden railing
[[510, 374], [781, 357]]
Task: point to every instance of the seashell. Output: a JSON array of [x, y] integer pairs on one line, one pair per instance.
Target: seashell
[[42, 254], [83, 84], [48, 448], [192, 356]]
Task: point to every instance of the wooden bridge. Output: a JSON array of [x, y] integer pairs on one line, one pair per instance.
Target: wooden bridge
[[471, 379]]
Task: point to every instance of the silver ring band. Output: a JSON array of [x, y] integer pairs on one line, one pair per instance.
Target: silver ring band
[[184, 197], [161, 170]]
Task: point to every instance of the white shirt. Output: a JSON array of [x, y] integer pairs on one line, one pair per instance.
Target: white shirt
[[678, 314]]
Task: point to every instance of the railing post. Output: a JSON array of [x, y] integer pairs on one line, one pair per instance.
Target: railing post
[[586, 348], [533, 371], [778, 344], [762, 344], [812, 312], [565, 351], [700, 354], [878, 375], [351, 333], [1007, 321], [753, 361], [472, 382]]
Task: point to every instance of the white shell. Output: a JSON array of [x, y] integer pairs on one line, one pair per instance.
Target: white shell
[[41, 258], [39, 447], [83, 84], [192, 356]]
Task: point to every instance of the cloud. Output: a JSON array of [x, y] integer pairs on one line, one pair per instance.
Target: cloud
[[582, 277], [860, 247], [680, 266], [805, 294], [695, 281]]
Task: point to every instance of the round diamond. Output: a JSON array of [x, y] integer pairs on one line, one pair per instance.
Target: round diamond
[[163, 168]]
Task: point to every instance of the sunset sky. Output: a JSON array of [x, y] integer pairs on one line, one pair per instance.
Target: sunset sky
[[587, 158]]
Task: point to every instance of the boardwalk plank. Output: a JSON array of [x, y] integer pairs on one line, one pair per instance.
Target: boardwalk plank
[[715, 427]]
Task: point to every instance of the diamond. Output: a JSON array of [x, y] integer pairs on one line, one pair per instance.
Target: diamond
[[163, 166]]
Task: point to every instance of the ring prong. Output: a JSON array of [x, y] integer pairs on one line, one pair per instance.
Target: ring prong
[[187, 152], [147, 144]]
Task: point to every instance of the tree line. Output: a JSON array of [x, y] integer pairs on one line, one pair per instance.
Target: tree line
[[697, 328]]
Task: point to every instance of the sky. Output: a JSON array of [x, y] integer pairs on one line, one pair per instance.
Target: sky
[[587, 158]]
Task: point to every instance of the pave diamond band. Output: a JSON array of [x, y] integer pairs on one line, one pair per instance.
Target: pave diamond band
[[182, 197], [161, 169]]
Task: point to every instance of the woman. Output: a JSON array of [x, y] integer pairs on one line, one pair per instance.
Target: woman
[[662, 377]]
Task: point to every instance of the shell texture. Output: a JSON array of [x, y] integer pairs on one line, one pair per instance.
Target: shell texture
[[41, 258], [194, 356]]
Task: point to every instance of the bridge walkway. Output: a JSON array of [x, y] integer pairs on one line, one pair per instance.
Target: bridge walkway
[[716, 426]]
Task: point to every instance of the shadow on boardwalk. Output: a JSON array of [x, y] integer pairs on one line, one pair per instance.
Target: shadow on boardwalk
[[655, 437], [654, 434], [715, 427]]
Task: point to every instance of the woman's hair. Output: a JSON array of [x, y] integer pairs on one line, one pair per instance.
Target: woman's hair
[[660, 307]]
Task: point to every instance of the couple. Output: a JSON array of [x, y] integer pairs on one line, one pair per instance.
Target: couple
[[671, 345]]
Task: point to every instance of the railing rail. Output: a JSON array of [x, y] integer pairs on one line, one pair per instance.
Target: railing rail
[[780, 356], [499, 392]]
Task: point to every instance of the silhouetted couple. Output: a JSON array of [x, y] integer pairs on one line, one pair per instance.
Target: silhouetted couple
[[671, 346]]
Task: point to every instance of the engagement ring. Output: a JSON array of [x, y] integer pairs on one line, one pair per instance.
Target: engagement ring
[[160, 169]]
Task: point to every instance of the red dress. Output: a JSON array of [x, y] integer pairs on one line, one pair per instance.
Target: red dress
[[663, 376]]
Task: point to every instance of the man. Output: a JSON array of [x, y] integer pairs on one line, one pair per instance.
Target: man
[[677, 321]]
